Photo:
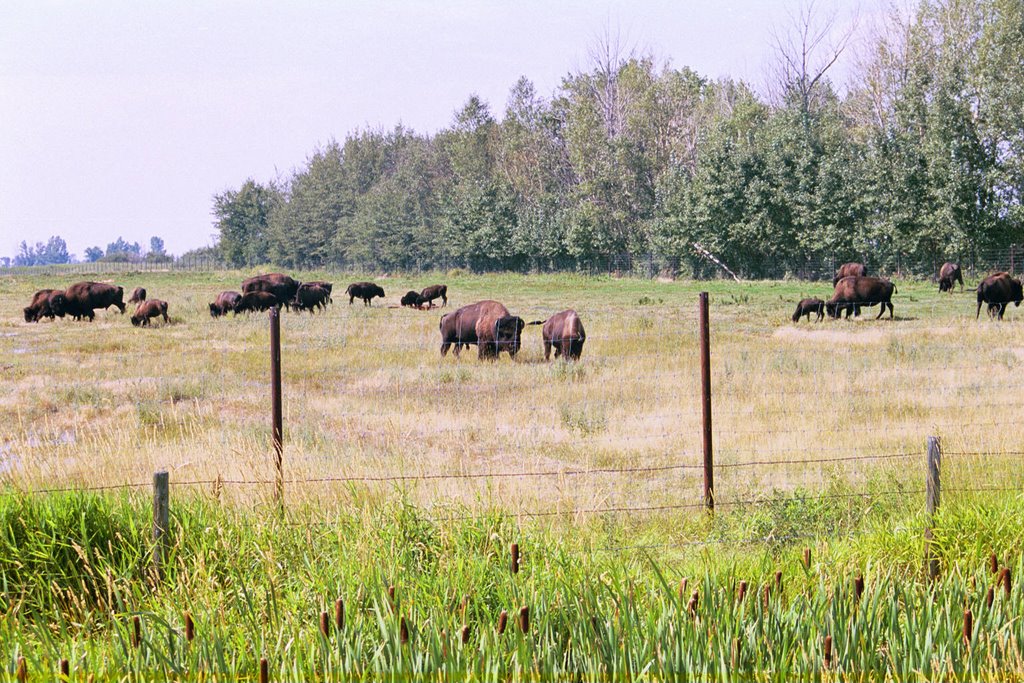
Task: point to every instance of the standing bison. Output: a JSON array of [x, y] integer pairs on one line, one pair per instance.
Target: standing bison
[[487, 324], [948, 274], [852, 269], [82, 298], [154, 308], [853, 292], [564, 331], [225, 303], [138, 295], [365, 291], [432, 292], [280, 285], [808, 306], [998, 290], [311, 297], [46, 303], [256, 301]]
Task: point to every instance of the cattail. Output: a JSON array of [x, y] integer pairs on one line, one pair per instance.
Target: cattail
[[22, 673], [339, 615], [515, 558], [65, 669], [325, 625], [1006, 580], [502, 622], [968, 627], [91, 678], [264, 671], [403, 631], [682, 589], [990, 596], [778, 582], [766, 594], [858, 587], [391, 597], [444, 644], [694, 601], [524, 619], [136, 631], [465, 634], [993, 563], [828, 651], [742, 591], [190, 628], [807, 558]]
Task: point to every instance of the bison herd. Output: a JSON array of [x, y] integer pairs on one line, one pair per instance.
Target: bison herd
[[486, 324], [853, 288]]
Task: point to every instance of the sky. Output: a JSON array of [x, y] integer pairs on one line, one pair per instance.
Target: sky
[[126, 117]]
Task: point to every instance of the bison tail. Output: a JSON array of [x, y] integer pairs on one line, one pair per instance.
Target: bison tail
[[537, 322]]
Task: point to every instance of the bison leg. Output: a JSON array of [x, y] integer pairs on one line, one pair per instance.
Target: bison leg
[[444, 349], [351, 299], [444, 300], [547, 350]]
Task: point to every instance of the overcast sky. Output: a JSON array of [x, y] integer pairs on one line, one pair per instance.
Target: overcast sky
[[125, 117]]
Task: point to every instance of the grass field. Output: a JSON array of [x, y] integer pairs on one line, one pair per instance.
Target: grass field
[[819, 442]]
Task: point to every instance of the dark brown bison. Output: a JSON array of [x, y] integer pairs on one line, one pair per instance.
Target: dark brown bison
[[154, 308], [948, 274], [487, 324], [808, 306], [138, 295], [329, 286], [280, 285], [46, 303], [256, 301], [411, 299], [432, 292], [365, 291], [853, 292], [310, 297], [852, 269], [225, 303], [82, 298], [998, 290], [564, 331]]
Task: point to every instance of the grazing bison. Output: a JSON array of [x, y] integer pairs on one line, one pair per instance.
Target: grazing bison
[[852, 269], [225, 303], [82, 298], [948, 274], [138, 295], [808, 306], [280, 285], [154, 308], [311, 297], [411, 299], [998, 290], [853, 292], [256, 301], [430, 293], [564, 331], [487, 324], [365, 291], [46, 303], [329, 286]]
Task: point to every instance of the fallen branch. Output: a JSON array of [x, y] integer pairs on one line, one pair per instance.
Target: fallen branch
[[711, 257]]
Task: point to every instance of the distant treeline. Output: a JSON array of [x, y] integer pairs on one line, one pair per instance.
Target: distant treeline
[[921, 159]]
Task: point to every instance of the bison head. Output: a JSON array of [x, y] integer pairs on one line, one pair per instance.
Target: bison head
[[214, 310], [508, 332], [136, 320], [378, 291], [1016, 291], [58, 304], [30, 314]]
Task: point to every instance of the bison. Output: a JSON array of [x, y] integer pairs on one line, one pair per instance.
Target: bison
[[46, 303], [998, 290], [82, 298], [256, 301], [430, 293], [948, 274], [225, 303], [154, 308], [808, 306], [852, 269], [487, 324], [411, 299], [365, 291], [564, 331], [329, 286], [280, 285], [853, 292], [138, 295], [311, 297]]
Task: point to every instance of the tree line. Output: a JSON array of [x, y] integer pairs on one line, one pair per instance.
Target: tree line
[[55, 251], [919, 158]]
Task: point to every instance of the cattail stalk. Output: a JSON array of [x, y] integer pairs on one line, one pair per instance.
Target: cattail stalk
[[742, 593], [968, 627], [502, 622], [465, 634], [22, 671], [828, 652], [858, 587], [339, 615], [524, 619], [325, 625], [403, 631], [136, 631], [190, 628], [264, 671], [515, 558]]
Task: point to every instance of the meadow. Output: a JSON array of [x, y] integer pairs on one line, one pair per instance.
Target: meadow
[[406, 469]]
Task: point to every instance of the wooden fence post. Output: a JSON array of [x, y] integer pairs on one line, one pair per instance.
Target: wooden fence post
[[705, 397], [275, 402], [932, 494], [161, 519]]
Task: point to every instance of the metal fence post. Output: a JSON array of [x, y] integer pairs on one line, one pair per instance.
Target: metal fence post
[[275, 401], [705, 395], [932, 492]]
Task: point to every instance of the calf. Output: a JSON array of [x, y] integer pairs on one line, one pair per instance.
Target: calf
[[256, 301], [138, 295], [46, 303], [154, 308], [432, 292], [226, 302], [365, 291], [808, 306], [411, 299], [311, 297], [564, 331]]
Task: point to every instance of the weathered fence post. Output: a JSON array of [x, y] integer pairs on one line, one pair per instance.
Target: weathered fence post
[[161, 519], [275, 402], [932, 490], [705, 396]]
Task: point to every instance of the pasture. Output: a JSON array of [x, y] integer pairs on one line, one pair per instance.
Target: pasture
[[405, 468]]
